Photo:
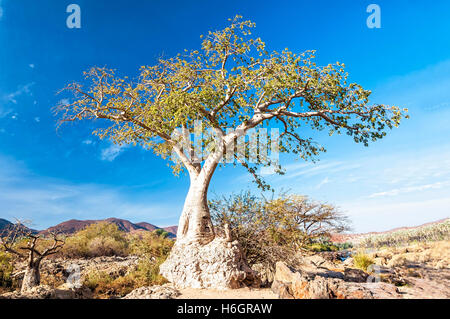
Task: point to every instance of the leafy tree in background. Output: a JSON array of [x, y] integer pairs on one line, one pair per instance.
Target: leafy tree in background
[[232, 85]]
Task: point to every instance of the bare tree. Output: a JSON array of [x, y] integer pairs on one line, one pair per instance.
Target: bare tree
[[27, 242], [301, 220]]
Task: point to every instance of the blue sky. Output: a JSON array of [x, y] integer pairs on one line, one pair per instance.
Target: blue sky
[[49, 176]]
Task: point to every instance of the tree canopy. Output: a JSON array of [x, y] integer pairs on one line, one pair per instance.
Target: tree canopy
[[231, 84]]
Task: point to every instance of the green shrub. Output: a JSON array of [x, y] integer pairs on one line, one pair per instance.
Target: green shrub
[[98, 281], [153, 250], [362, 261], [149, 244], [99, 239], [147, 274], [161, 233], [319, 247], [343, 246], [6, 270], [272, 230]]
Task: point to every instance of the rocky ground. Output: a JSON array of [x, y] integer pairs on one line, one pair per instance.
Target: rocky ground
[[420, 270], [415, 271]]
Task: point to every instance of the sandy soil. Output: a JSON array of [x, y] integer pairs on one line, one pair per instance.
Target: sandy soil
[[243, 293]]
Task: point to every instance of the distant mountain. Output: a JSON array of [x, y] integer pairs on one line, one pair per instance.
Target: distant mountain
[[5, 224], [341, 238], [147, 226], [69, 227], [171, 229], [74, 225]]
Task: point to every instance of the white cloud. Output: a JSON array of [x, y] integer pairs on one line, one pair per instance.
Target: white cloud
[[313, 169], [110, 153], [31, 65], [37, 119], [403, 190], [326, 180], [87, 142], [1, 10], [22, 89]]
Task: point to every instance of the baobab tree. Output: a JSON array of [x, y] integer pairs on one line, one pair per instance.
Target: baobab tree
[[232, 84], [20, 241]]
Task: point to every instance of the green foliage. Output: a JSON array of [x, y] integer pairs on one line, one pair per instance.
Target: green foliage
[[105, 239], [344, 246], [161, 233], [232, 81], [6, 269], [149, 244], [98, 281], [146, 274], [362, 261], [272, 230], [99, 239], [435, 232], [325, 246]]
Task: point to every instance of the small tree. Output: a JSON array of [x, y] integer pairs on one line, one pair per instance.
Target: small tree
[[20, 241], [273, 230], [232, 85]]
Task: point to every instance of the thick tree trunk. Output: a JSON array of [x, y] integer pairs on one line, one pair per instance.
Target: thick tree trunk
[[195, 222], [32, 277], [199, 259]]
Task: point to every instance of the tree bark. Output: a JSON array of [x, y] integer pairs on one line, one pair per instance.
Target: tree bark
[[195, 221], [32, 277]]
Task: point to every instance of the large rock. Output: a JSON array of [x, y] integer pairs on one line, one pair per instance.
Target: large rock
[[301, 284], [290, 283], [355, 275], [265, 273], [218, 264], [153, 292]]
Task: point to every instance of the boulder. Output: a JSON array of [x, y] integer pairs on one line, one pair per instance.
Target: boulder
[[286, 274], [290, 283], [283, 290], [153, 292], [218, 264], [355, 275], [317, 288], [265, 274]]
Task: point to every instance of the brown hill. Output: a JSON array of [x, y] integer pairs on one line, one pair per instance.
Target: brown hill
[[74, 225], [6, 224], [147, 226], [171, 229]]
